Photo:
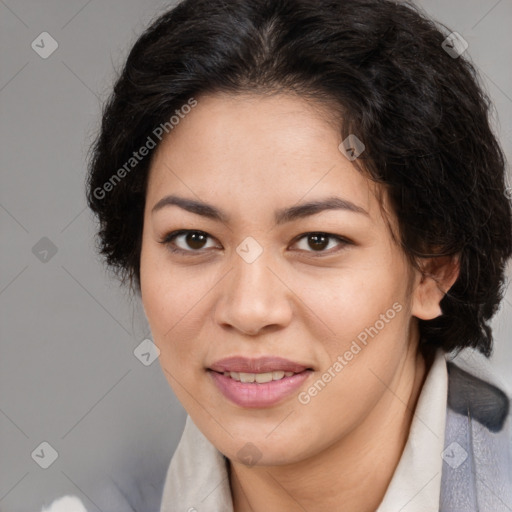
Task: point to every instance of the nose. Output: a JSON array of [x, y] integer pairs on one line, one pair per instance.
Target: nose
[[254, 297]]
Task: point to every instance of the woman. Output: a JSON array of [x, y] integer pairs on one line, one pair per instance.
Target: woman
[[310, 201]]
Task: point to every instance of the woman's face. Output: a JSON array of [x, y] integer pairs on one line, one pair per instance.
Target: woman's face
[[325, 289]]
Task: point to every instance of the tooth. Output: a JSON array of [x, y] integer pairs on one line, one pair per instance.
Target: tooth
[[260, 378], [264, 377]]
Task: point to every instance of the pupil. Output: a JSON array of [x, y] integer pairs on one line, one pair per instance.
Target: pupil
[[319, 241], [195, 240]]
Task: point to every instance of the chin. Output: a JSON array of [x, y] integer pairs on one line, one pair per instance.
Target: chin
[[255, 446]]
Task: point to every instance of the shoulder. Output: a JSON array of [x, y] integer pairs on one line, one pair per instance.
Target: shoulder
[[476, 395], [477, 467], [66, 504]]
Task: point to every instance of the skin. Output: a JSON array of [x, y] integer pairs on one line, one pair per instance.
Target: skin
[[250, 155]]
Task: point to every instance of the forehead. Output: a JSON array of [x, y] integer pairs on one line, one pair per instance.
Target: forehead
[[255, 149]]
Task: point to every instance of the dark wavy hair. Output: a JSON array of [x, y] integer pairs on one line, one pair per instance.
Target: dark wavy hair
[[421, 113]]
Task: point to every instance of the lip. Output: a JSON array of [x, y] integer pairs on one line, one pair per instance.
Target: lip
[[257, 365], [253, 394]]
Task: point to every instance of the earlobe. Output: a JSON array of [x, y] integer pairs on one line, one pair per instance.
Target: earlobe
[[436, 278]]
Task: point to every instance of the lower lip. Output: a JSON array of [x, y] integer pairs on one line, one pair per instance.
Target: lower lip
[[252, 394]]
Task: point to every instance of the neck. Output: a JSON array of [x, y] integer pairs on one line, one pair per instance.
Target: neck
[[353, 473]]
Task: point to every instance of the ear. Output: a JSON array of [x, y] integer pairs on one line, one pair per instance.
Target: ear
[[436, 277]]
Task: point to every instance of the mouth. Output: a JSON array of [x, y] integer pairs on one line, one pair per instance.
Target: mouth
[[262, 382]]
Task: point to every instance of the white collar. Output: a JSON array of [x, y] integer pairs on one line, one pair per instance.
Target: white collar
[[416, 482], [197, 477]]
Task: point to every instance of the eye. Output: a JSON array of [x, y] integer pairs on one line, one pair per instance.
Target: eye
[[195, 240], [319, 241]]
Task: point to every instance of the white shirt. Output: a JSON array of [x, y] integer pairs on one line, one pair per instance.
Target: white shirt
[[197, 478]]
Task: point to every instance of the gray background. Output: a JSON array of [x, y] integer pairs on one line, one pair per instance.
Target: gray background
[[68, 374]]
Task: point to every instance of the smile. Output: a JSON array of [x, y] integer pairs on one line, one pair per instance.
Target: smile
[[259, 378], [259, 390]]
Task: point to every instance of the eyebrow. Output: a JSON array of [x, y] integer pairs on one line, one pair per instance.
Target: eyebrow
[[281, 216]]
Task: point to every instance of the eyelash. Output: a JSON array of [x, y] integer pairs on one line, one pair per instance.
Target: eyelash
[[169, 238]]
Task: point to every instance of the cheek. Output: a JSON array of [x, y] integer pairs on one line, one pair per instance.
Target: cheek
[[173, 310], [351, 300], [163, 289], [175, 301], [369, 311]]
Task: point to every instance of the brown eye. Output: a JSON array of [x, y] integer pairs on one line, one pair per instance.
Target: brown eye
[[318, 242], [189, 241], [195, 240]]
